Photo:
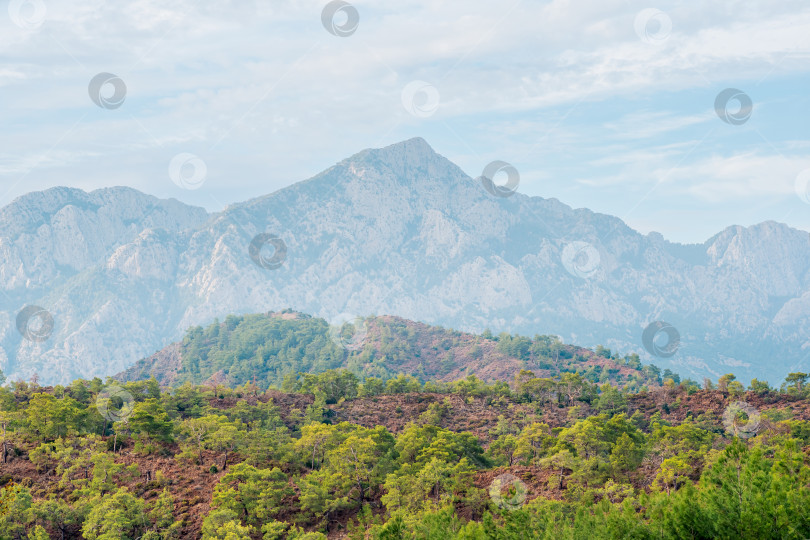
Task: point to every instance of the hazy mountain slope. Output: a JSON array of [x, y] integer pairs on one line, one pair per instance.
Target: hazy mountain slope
[[399, 230], [102, 264]]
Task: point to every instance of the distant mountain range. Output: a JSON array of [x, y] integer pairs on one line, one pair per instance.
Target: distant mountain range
[[92, 282]]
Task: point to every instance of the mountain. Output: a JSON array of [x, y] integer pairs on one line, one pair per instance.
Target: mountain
[[264, 348], [402, 231]]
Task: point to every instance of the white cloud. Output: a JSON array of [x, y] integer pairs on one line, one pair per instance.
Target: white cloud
[[740, 176], [647, 124]]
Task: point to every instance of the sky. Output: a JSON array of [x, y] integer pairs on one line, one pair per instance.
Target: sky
[[678, 117]]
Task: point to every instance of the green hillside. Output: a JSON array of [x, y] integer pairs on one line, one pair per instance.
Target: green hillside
[[266, 348]]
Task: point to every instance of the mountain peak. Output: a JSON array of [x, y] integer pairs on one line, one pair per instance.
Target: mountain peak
[[411, 158], [415, 144], [415, 149]]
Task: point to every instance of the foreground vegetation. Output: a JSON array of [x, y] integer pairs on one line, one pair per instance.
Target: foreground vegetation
[[561, 458]]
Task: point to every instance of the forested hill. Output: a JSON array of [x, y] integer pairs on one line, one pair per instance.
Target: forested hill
[[264, 348]]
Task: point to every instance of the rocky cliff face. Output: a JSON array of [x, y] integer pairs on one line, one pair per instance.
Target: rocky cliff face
[[399, 230]]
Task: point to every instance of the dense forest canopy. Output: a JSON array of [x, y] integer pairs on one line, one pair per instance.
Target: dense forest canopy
[[265, 348], [538, 457]]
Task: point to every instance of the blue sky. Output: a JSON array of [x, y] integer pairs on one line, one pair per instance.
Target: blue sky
[[601, 104]]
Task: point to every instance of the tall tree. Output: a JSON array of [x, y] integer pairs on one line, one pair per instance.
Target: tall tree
[[254, 495], [795, 382]]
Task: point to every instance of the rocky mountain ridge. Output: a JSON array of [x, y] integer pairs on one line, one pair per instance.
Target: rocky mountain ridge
[[403, 231]]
